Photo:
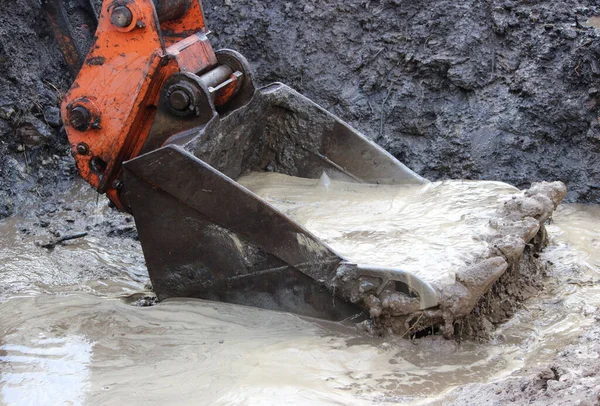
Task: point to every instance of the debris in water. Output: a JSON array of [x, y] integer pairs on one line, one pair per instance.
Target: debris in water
[[54, 243]]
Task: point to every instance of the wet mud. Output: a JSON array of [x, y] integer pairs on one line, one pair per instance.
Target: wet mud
[[460, 237], [516, 100], [497, 90], [107, 259], [80, 340], [561, 322]]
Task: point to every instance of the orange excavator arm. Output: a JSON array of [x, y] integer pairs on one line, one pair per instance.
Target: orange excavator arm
[[138, 45]]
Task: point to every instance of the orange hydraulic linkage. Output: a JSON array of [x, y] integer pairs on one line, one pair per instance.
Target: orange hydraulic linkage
[[110, 108]]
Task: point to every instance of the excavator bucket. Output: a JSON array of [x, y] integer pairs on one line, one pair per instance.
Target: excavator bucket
[[207, 236], [175, 133]]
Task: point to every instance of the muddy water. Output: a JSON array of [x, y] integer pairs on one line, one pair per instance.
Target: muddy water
[[94, 264], [89, 346], [430, 230]]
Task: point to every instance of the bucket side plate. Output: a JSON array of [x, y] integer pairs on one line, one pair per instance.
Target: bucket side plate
[[206, 236]]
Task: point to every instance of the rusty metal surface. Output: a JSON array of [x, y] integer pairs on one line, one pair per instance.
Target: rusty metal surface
[[74, 23], [193, 54], [120, 82], [117, 84], [167, 122], [176, 29]]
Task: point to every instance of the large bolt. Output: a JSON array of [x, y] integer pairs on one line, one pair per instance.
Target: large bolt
[[79, 117], [117, 184], [121, 17], [82, 148], [179, 100]]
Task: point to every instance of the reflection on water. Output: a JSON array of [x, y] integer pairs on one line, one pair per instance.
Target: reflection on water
[[577, 226], [189, 351], [45, 370], [87, 346]]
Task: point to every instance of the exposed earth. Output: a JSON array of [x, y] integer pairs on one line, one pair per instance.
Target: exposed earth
[[492, 90]]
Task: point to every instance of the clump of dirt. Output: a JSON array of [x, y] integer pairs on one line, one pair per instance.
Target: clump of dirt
[[493, 286], [525, 216], [495, 90]]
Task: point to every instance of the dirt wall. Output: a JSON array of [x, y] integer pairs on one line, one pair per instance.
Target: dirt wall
[[496, 90], [34, 151], [501, 90]]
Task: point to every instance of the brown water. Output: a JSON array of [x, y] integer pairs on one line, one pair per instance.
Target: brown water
[[66, 337], [431, 230], [94, 264]]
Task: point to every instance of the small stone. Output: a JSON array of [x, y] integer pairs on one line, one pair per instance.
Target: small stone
[[366, 286], [52, 116], [7, 112], [569, 33]]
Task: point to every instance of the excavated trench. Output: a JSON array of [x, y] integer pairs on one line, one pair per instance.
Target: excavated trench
[[498, 90]]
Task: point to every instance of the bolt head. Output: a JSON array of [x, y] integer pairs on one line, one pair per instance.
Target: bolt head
[[82, 148], [121, 17], [79, 117], [179, 100]]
